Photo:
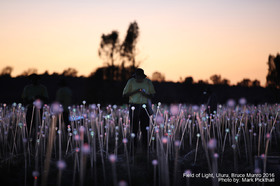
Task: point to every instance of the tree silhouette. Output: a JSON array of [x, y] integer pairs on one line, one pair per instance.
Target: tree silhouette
[[29, 72], [273, 76], [109, 48], [7, 71], [202, 82], [256, 83], [70, 72], [245, 83], [225, 82], [157, 76], [111, 52], [128, 47], [188, 80], [216, 79]]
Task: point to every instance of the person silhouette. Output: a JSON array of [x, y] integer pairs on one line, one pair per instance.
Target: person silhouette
[[140, 90], [34, 96], [64, 97]]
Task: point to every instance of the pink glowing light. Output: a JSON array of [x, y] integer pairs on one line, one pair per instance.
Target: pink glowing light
[[112, 158], [164, 140], [212, 144], [155, 162]]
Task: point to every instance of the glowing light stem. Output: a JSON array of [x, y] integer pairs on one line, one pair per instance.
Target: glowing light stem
[[186, 124], [155, 173], [267, 143], [24, 141], [197, 140], [204, 144], [94, 141], [100, 139], [32, 116], [251, 142], [127, 163], [114, 173], [150, 123], [59, 137], [49, 151], [131, 122], [223, 149], [14, 144], [75, 167], [116, 146], [68, 143], [259, 143], [264, 132], [177, 144], [82, 130], [107, 139], [214, 168], [148, 132], [151, 135]]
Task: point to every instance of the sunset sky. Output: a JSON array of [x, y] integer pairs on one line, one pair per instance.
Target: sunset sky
[[179, 38]]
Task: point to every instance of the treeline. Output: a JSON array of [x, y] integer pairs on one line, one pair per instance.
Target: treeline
[[98, 88]]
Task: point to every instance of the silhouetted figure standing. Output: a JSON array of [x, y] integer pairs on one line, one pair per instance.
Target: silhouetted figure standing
[[140, 90], [34, 96], [64, 97]]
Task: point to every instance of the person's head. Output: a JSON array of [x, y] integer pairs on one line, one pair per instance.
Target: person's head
[[139, 74]]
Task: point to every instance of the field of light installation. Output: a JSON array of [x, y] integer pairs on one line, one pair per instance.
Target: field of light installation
[[186, 146]]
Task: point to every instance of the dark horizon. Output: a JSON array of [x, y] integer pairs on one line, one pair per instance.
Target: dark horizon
[[105, 91]]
